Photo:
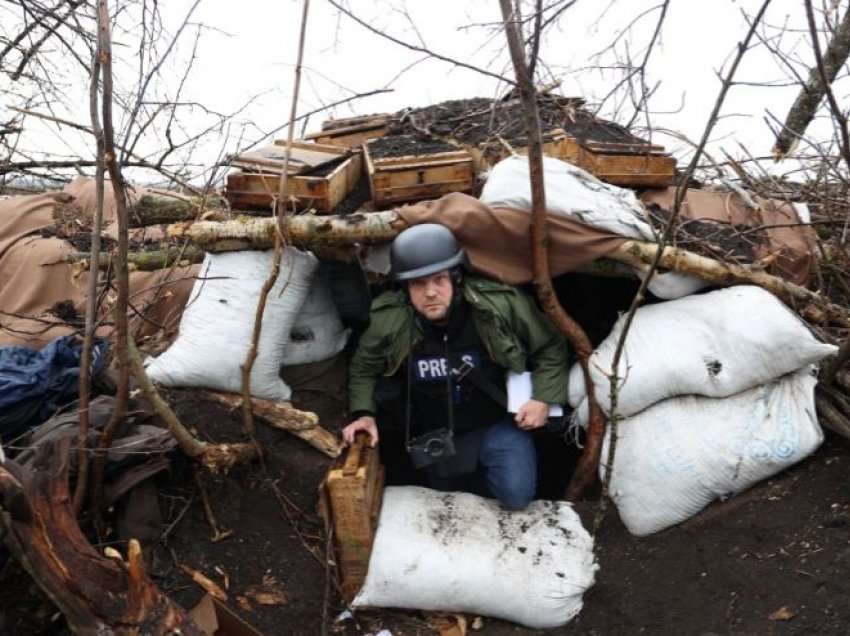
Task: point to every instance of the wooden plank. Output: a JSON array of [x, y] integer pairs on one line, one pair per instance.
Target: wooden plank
[[312, 147], [623, 147], [419, 166], [350, 140], [354, 491], [418, 193], [344, 179], [357, 121], [304, 156], [353, 135], [415, 161]]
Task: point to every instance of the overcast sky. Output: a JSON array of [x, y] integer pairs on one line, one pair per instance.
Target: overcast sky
[[248, 49]]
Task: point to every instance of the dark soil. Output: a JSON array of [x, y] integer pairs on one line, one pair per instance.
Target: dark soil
[[480, 119], [357, 198], [65, 311], [783, 544], [404, 145], [714, 239]]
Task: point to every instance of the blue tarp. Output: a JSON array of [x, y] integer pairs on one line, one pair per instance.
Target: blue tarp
[[35, 384]]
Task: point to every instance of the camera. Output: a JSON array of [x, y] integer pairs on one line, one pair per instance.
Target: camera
[[432, 447]]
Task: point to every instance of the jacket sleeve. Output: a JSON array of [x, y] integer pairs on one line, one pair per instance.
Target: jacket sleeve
[[546, 350], [367, 365]]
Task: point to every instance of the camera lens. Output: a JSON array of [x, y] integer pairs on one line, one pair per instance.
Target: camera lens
[[435, 447]]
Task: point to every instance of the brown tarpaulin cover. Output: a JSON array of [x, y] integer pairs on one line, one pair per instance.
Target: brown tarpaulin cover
[[793, 246], [33, 279], [498, 240]]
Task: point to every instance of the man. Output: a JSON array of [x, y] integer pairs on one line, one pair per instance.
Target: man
[[446, 339]]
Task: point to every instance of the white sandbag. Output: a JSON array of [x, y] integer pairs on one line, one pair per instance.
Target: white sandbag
[[676, 457], [318, 333], [673, 285], [458, 552], [570, 191], [218, 323], [715, 344]]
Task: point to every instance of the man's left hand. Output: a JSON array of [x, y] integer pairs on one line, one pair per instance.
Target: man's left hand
[[533, 414]]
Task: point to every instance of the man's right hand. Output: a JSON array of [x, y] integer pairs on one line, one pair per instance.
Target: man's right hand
[[365, 423]]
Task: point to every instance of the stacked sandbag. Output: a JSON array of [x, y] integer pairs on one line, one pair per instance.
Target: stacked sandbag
[[457, 552], [676, 457], [218, 323], [317, 334], [716, 393], [715, 345]]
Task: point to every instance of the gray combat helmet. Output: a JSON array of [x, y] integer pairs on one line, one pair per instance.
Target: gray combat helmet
[[423, 250]]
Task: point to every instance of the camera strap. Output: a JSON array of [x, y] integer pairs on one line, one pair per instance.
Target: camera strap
[[450, 395], [408, 399], [474, 375]]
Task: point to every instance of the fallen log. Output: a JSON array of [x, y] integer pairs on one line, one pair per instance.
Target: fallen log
[[156, 209], [812, 305], [379, 227], [147, 260], [284, 416], [306, 230], [96, 594]]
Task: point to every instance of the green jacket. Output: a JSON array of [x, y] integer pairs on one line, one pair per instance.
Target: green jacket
[[513, 330]]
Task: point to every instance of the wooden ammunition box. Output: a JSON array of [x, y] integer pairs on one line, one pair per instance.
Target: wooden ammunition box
[[417, 177], [636, 165], [252, 190], [353, 494], [351, 132], [631, 165]]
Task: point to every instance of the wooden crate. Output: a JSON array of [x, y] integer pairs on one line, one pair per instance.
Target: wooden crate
[[247, 190], [622, 164], [304, 156], [556, 144], [417, 177], [351, 132], [353, 493], [631, 165]]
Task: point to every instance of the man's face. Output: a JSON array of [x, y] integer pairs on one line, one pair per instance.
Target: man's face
[[432, 295]]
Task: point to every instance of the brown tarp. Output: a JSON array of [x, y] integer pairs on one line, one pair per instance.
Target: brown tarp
[[791, 243], [34, 279], [85, 199], [498, 240]]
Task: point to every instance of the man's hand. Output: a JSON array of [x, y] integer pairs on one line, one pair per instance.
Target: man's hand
[[533, 414], [365, 423]]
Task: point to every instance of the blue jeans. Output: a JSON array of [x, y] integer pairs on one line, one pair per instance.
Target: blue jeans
[[507, 467]]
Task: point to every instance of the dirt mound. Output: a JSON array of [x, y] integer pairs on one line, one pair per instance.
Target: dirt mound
[[479, 120]]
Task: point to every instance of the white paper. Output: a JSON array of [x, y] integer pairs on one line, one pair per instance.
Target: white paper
[[519, 392]]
